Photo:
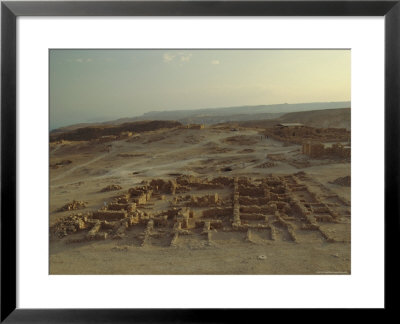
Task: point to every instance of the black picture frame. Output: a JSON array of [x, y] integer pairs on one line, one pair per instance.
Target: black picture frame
[[10, 10]]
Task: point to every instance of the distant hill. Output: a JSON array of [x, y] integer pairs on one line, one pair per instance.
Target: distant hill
[[334, 118], [93, 132], [73, 127], [220, 115], [226, 114]]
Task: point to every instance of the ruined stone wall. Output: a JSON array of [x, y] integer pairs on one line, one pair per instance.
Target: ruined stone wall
[[121, 199], [313, 149], [117, 206], [256, 205], [140, 200], [303, 212], [255, 209], [287, 225], [170, 213], [203, 201], [251, 191], [226, 181], [338, 150], [163, 186], [318, 150], [247, 200], [297, 135], [236, 204], [208, 225], [109, 215], [140, 195], [217, 212], [208, 186], [253, 216], [187, 180], [74, 205]]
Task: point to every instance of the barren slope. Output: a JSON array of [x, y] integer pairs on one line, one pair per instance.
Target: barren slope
[[330, 118]]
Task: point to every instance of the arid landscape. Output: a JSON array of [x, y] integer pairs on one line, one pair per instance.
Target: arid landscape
[[245, 196]]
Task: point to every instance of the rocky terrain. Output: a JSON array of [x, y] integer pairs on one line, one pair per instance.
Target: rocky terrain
[[175, 199]]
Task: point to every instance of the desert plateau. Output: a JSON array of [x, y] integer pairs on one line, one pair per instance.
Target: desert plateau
[[167, 197]]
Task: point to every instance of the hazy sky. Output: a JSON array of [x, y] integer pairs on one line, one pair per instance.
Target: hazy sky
[[99, 85]]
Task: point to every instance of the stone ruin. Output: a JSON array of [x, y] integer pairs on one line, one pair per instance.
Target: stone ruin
[[314, 141], [70, 224], [111, 187], [273, 204], [73, 205], [194, 126], [320, 150], [298, 135]]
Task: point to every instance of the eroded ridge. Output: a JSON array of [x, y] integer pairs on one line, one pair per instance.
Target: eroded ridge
[[277, 207]]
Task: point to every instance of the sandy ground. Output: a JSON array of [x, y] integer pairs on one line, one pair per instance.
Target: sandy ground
[[203, 153]]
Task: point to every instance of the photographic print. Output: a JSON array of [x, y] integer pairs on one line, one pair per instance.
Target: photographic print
[[200, 161]]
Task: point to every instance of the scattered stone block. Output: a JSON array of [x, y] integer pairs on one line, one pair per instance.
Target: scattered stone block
[[74, 205], [112, 187], [109, 215]]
